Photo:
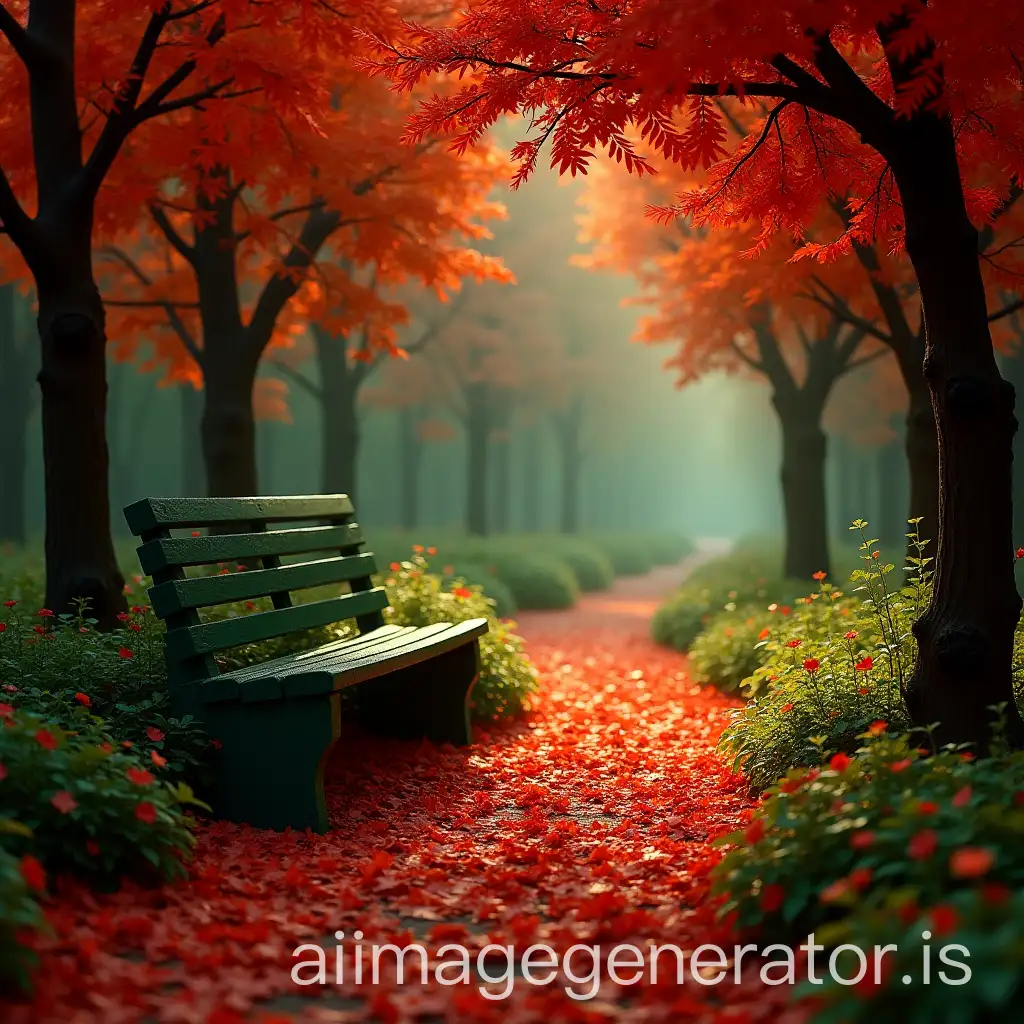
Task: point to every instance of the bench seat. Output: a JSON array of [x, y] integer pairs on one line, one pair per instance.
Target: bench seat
[[276, 721]]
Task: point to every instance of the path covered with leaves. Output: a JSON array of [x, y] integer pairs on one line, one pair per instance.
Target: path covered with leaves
[[589, 822]]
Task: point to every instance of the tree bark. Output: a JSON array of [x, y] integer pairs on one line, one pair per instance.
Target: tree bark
[[1015, 374], [16, 402], [478, 428], [965, 637], [228, 430], [192, 475], [804, 452], [411, 458], [339, 393], [922, 444]]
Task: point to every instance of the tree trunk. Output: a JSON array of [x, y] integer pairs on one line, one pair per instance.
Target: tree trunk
[[16, 399], [502, 461], [965, 637], [804, 453], [477, 432], [922, 445], [1014, 369], [531, 481], [572, 463], [339, 392], [80, 560], [411, 458], [191, 441], [228, 430]]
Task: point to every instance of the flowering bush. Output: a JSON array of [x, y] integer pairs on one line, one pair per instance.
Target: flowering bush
[[418, 598], [478, 574], [20, 913], [878, 845], [90, 808], [836, 665], [726, 652]]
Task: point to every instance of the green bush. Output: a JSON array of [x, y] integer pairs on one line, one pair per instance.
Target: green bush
[[668, 548], [629, 555], [20, 913], [507, 677], [478, 575], [89, 808], [839, 664], [589, 564], [726, 653], [876, 847]]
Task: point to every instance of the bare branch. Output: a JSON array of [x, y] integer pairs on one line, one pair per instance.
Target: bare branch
[[169, 231], [298, 378], [1008, 310]]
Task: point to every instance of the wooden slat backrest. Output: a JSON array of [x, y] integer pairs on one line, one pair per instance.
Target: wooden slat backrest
[[325, 526]]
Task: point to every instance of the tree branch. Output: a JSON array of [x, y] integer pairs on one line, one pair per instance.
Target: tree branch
[[298, 378], [163, 222], [21, 42], [1008, 310]]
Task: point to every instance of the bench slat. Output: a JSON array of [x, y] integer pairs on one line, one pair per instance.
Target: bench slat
[[173, 513], [210, 637], [174, 552], [177, 595]]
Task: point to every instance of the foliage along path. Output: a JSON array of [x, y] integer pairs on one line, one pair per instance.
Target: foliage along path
[[589, 822]]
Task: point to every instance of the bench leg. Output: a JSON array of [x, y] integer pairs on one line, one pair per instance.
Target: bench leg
[[270, 765], [430, 699]]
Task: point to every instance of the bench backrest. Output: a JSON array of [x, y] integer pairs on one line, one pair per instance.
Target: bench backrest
[[250, 530]]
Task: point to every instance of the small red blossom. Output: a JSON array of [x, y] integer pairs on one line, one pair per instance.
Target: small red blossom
[[877, 728], [944, 919], [154, 733], [811, 664], [44, 613], [9, 688], [122, 616], [431, 551], [819, 575], [462, 592], [195, 533], [755, 831], [967, 756], [835, 892], [900, 766], [785, 609], [64, 801], [863, 690], [850, 634], [865, 664], [145, 812], [216, 744], [418, 549], [839, 762], [127, 744], [92, 847], [962, 797], [3, 627], [46, 739], [39, 629], [395, 566], [139, 776], [862, 839], [794, 643], [84, 699], [923, 845], [6, 710], [33, 873], [786, 708], [995, 893], [124, 654], [772, 898], [860, 878], [927, 807], [10, 604], [158, 759], [1020, 552], [971, 862], [764, 634]]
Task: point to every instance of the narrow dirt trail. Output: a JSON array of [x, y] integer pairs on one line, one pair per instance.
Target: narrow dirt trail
[[589, 822]]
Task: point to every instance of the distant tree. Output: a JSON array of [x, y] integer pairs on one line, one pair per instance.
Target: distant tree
[[18, 398]]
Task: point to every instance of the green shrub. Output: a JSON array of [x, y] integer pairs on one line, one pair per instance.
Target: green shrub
[[668, 548], [866, 849], [507, 677], [537, 581], [20, 914], [589, 564], [838, 665], [629, 555], [478, 575], [726, 653], [90, 808]]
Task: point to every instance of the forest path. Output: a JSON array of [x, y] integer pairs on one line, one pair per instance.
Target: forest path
[[588, 822]]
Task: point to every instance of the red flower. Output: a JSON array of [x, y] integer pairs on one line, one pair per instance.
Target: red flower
[[785, 609], [6, 710], [395, 566], [944, 919], [785, 708], [971, 862], [418, 549], [811, 664], [819, 575], [46, 739], [139, 776], [124, 654], [127, 744], [877, 728], [92, 847], [864, 665], [122, 616], [839, 763], [755, 831], [995, 893], [9, 688], [1018, 798], [431, 551], [764, 634], [216, 744], [64, 801], [145, 812], [45, 613], [462, 592], [38, 629], [154, 734], [927, 807], [863, 839], [3, 627], [850, 634], [860, 878], [195, 533], [84, 699], [835, 892], [10, 604], [962, 797], [772, 898], [923, 845], [1020, 552], [33, 873], [899, 766], [863, 690], [158, 759]]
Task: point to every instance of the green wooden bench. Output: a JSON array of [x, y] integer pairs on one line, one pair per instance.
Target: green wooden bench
[[277, 721]]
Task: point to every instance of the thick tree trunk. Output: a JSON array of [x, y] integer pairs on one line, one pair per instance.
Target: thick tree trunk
[[339, 392], [192, 476], [804, 452], [1014, 369], [80, 560], [411, 458], [965, 637], [228, 430], [16, 399], [478, 423]]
